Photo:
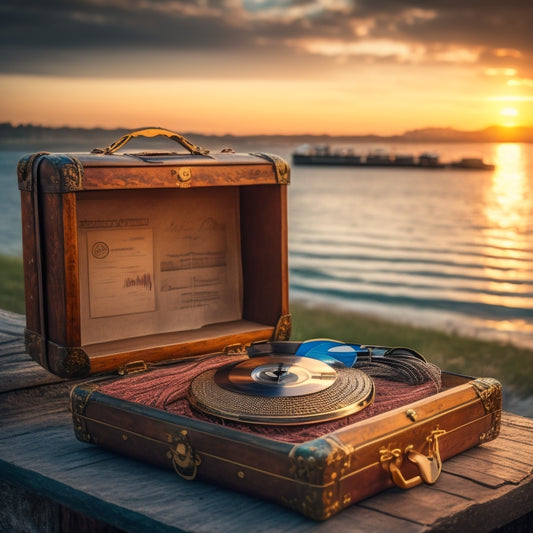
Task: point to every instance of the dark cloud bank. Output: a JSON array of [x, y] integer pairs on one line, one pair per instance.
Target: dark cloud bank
[[167, 38]]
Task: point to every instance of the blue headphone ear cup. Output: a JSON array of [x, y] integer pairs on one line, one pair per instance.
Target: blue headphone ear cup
[[333, 353]]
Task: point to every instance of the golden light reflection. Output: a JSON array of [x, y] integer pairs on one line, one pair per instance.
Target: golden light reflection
[[507, 210], [507, 202]]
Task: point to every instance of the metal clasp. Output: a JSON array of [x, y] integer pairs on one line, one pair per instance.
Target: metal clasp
[[133, 367], [235, 349], [429, 466], [184, 459]]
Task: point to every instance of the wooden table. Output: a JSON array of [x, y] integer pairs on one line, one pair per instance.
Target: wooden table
[[49, 481]]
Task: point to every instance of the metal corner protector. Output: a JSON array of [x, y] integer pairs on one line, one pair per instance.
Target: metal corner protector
[[310, 464], [79, 398], [68, 361], [489, 391], [25, 170], [283, 328], [281, 167]]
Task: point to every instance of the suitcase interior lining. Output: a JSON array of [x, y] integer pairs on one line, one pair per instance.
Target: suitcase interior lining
[[166, 388]]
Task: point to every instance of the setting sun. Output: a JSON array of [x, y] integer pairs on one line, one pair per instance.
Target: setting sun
[[509, 112]]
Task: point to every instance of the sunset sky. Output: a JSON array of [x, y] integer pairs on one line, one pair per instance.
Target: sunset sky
[[267, 66]]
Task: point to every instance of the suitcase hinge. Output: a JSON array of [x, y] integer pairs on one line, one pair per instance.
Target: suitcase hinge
[[134, 367], [283, 328], [429, 466], [235, 349], [184, 459]]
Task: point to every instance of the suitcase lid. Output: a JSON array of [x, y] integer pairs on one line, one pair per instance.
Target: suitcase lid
[[104, 168], [79, 208]]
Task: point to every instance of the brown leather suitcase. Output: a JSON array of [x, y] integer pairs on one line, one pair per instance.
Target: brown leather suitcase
[[166, 266], [112, 244]]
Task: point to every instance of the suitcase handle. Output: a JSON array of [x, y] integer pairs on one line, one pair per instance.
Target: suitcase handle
[[152, 132], [429, 466]]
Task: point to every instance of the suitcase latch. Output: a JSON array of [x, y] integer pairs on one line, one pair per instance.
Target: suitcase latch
[[184, 459], [235, 349], [183, 177], [133, 367], [429, 466]]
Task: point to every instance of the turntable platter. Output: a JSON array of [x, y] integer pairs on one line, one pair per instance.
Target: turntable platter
[[281, 389]]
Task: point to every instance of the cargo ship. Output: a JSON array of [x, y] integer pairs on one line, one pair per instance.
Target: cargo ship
[[323, 155]]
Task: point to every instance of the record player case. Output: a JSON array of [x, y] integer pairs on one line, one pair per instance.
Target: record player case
[[151, 255], [78, 210]]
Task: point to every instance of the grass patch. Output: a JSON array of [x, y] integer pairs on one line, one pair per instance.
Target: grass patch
[[11, 284], [469, 356]]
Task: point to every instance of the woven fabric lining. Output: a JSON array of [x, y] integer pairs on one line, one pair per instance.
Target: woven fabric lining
[[166, 388]]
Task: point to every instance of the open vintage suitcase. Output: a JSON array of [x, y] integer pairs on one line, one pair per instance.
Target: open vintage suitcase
[[164, 266]]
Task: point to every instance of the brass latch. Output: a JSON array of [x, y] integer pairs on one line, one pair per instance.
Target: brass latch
[[235, 349], [184, 459], [133, 367], [429, 466]]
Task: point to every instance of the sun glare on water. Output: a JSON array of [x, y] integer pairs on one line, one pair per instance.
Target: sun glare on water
[[508, 204]]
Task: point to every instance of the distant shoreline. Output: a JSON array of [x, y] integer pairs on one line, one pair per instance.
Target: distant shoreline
[[27, 136]]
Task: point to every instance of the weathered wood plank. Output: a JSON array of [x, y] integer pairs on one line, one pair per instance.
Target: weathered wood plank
[[512, 420], [488, 514], [460, 486], [24, 511], [511, 448], [18, 370], [12, 322], [509, 455], [484, 471], [421, 505]]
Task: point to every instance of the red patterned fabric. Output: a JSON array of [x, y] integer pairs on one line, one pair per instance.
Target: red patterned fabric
[[166, 389]]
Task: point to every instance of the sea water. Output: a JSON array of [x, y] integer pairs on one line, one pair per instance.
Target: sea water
[[445, 248]]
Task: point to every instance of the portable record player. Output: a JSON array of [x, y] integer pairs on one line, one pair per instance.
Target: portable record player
[[172, 269]]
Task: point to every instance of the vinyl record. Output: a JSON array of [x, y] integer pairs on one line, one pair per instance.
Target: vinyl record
[[281, 389], [276, 375]]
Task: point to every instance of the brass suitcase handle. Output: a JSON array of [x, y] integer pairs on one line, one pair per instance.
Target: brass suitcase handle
[[152, 132], [429, 466]]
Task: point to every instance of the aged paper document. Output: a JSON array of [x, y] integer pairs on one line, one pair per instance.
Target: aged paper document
[[158, 261], [194, 272], [121, 272]]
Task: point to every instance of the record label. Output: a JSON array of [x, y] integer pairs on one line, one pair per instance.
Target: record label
[[276, 375]]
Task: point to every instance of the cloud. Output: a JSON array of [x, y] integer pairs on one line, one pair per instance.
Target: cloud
[[172, 38]]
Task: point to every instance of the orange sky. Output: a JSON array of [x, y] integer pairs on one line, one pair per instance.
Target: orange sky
[[267, 66]]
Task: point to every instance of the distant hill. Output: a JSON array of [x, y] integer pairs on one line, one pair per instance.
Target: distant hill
[[490, 134], [32, 137]]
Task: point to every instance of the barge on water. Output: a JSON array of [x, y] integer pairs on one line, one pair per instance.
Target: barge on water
[[323, 155]]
